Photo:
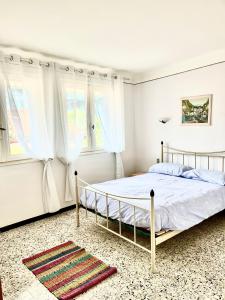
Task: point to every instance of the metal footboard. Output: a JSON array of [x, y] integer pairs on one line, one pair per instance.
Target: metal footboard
[[81, 184]]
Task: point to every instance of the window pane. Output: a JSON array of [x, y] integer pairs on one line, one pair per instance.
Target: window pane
[[14, 146], [99, 114], [18, 117], [77, 113]]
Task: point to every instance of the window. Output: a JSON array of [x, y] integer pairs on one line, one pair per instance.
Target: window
[[11, 149], [97, 98], [83, 114], [76, 109], [84, 110]]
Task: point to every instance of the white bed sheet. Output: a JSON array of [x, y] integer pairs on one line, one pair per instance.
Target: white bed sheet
[[180, 203]]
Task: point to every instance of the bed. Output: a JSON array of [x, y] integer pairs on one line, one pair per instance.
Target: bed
[[164, 205], [180, 203]]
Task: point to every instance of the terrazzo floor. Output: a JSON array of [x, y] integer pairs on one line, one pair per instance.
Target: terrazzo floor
[[190, 265]]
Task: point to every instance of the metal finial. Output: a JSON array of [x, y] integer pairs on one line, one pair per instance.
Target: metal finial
[[152, 193]]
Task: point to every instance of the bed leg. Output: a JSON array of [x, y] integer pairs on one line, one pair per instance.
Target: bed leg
[[77, 200], [152, 232]]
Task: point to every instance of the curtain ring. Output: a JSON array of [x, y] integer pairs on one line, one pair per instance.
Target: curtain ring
[[31, 61], [48, 64], [11, 57], [80, 70], [67, 68]]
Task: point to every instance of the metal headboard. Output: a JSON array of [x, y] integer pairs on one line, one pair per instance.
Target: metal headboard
[[168, 154]]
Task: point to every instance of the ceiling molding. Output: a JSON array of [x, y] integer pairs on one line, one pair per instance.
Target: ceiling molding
[[206, 60]]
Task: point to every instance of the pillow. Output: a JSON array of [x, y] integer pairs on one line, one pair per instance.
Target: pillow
[[169, 169], [191, 174], [216, 177]]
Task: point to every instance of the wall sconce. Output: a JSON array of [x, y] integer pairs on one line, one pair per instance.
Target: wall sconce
[[164, 120]]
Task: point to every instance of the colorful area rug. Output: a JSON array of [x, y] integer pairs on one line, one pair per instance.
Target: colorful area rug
[[68, 270]]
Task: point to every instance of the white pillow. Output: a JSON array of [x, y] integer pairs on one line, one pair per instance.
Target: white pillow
[[169, 169], [216, 177]]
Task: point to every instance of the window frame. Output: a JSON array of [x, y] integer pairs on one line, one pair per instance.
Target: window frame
[[5, 155], [92, 147]]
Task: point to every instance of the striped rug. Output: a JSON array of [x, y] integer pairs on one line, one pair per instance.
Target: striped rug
[[68, 270]]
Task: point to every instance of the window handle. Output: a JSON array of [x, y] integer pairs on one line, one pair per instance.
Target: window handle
[[93, 127], [3, 129]]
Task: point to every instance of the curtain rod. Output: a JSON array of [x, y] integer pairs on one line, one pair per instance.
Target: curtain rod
[[64, 67]]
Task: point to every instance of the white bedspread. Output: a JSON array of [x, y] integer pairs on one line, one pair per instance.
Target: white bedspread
[[179, 203]]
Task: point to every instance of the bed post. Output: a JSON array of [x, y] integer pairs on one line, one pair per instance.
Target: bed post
[[161, 151], [77, 199], [152, 231]]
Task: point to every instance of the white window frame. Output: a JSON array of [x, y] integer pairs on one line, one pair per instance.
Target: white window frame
[[90, 123], [5, 155]]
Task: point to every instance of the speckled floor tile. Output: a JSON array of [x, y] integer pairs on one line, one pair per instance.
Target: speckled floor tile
[[190, 266]]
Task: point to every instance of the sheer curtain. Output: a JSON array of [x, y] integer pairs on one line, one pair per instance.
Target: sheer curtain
[[32, 128], [71, 114], [111, 115], [118, 119]]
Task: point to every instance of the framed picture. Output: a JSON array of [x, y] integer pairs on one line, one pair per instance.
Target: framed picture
[[196, 110]]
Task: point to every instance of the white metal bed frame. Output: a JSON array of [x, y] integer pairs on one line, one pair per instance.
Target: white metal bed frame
[[155, 239]]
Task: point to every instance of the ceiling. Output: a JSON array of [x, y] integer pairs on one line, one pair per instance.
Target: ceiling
[[132, 35]]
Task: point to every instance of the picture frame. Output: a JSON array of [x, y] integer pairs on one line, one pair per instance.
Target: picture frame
[[196, 110]]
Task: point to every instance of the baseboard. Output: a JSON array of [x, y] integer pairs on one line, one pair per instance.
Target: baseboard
[[31, 220]]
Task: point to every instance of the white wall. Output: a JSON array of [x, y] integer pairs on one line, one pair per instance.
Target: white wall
[[161, 98], [20, 185]]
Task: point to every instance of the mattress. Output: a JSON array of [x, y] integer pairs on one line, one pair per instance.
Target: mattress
[[180, 203]]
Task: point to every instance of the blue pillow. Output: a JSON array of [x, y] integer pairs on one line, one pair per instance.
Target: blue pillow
[[169, 169], [216, 177]]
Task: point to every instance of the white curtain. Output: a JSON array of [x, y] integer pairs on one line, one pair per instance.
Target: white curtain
[[111, 115], [32, 128], [71, 114]]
